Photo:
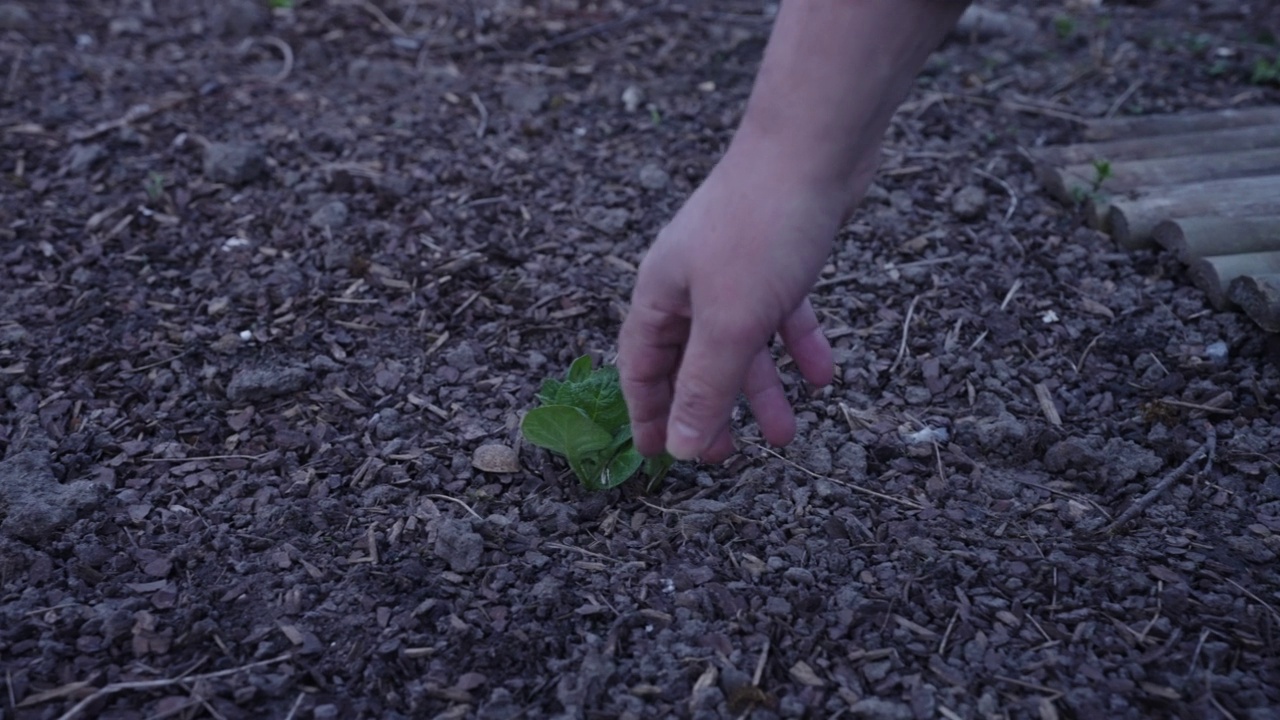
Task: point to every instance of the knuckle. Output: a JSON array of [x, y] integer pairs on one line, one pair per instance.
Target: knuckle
[[736, 327], [697, 398]]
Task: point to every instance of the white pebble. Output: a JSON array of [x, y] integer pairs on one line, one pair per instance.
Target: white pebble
[[1217, 351]]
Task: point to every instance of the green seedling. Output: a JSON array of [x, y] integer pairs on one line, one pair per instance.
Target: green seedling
[[1199, 43], [1101, 173], [1064, 26], [584, 419], [154, 186], [281, 4], [1266, 72]]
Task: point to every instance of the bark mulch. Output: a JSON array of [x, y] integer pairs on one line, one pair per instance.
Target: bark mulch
[[269, 279]]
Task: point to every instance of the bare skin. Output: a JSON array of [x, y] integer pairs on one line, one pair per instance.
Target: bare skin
[[735, 265]]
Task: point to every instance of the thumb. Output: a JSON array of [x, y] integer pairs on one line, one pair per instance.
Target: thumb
[[711, 374]]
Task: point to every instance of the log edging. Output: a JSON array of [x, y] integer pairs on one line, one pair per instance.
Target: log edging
[[1204, 186]]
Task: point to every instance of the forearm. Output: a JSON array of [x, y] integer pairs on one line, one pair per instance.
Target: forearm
[[832, 76]]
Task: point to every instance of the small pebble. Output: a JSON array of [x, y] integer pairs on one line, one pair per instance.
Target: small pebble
[[653, 177], [1217, 352], [607, 220], [459, 546], [632, 97], [332, 214], [255, 384], [495, 458], [234, 163]]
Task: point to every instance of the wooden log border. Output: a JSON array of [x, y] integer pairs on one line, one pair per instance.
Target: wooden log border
[[1204, 186]]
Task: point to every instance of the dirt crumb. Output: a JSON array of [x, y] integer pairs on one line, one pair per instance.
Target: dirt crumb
[[969, 203], [262, 383], [234, 163], [34, 504], [332, 214], [459, 546], [13, 16]]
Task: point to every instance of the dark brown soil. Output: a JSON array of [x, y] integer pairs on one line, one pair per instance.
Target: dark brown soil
[[269, 279]]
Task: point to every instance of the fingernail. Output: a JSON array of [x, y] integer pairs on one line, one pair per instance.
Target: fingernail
[[684, 443]]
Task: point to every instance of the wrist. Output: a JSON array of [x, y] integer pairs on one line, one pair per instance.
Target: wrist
[[831, 78], [834, 173], [828, 156]]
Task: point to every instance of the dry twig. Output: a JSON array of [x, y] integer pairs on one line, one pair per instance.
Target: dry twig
[[132, 115], [1046, 404], [1008, 298], [1061, 493], [113, 688], [1141, 504], [377, 14], [1124, 98], [600, 28], [293, 711], [1254, 597], [1080, 363], [474, 514], [764, 656], [857, 488], [484, 115], [286, 56], [906, 332], [1213, 405], [1013, 196]]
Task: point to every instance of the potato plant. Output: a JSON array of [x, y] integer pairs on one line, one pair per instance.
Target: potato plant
[[583, 418]]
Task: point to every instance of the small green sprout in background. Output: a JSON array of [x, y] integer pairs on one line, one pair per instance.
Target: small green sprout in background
[[1065, 26], [584, 419], [1266, 72], [154, 186], [1101, 173], [280, 4], [1199, 43]]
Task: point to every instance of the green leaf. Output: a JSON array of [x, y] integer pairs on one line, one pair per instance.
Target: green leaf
[[598, 393], [623, 465], [656, 467], [549, 391], [580, 370], [600, 397], [588, 470], [565, 430]]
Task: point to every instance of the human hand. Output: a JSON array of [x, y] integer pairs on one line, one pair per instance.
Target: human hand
[[733, 267], [735, 264]]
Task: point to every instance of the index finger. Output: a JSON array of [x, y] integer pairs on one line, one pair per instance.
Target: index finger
[[649, 346]]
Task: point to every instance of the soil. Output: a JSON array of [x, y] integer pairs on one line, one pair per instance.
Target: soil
[[270, 278]]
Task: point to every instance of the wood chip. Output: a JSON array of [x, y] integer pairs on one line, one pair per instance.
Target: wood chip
[[1090, 305], [803, 673], [1161, 691], [916, 628], [1164, 574], [294, 634], [1046, 404]]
